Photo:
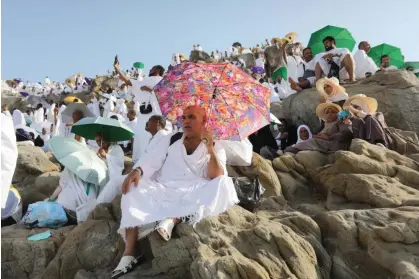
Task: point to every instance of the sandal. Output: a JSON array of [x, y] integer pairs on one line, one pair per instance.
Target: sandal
[[126, 264], [165, 229]]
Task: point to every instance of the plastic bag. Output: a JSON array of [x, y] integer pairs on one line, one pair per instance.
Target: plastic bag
[[239, 153], [249, 192], [45, 215]]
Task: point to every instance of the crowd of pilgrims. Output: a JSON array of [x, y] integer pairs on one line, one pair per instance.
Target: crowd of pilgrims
[[168, 172]]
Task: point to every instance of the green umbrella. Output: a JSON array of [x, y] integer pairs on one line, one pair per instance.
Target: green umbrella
[[415, 65], [79, 159], [343, 39], [395, 54], [138, 65], [280, 72], [111, 129]]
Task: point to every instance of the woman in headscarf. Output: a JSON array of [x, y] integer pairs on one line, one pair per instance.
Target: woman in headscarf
[[335, 136], [331, 91], [303, 133], [367, 123]]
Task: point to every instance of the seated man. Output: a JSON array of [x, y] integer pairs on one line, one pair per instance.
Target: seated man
[[186, 178], [385, 63], [342, 57], [364, 63], [308, 77]]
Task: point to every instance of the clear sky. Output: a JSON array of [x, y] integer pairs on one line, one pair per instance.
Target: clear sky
[[59, 38]]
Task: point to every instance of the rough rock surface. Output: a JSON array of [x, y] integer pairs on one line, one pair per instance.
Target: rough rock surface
[[24, 259], [32, 161]]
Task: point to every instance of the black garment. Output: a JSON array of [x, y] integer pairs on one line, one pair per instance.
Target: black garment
[[263, 137]]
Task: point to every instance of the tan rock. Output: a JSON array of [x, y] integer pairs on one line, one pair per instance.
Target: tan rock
[[24, 259]]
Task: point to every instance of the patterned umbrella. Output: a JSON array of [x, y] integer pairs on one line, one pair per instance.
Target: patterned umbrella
[[237, 104]]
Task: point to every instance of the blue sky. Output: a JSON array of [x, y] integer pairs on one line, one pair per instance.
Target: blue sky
[[59, 38]]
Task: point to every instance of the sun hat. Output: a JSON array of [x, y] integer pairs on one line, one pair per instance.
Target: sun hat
[[321, 109], [334, 82], [371, 103]]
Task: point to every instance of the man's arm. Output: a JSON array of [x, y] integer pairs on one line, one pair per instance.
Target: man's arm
[[214, 167], [121, 75]]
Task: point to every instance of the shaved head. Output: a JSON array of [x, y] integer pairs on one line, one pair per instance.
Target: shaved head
[[194, 120]]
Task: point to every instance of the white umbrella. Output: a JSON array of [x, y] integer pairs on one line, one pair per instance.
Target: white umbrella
[[274, 119], [67, 114]]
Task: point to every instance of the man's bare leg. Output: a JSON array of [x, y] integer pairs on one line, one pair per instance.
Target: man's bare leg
[[131, 237], [348, 64], [319, 71]]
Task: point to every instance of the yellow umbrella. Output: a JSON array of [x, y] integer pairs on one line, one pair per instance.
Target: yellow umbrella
[[291, 36], [70, 99]]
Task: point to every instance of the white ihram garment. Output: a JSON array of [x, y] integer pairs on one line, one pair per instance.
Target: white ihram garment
[[113, 187], [18, 118], [108, 107], [73, 191], [8, 156], [175, 184], [142, 137], [364, 64], [343, 74]]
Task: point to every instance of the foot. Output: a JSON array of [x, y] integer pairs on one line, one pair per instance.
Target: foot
[[294, 85]]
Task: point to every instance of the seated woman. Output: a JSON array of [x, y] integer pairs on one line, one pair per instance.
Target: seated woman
[[264, 143], [330, 91], [303, 133], [335, 136], [368, 124]]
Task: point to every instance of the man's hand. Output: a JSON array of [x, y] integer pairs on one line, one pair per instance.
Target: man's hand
[[102, 153], [353, 110], [68, 124], [146, 88], [133, 177], [117, 67], [208, 139], [328, 56]]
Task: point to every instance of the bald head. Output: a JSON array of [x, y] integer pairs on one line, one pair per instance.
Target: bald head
[[194, 120], [365, 46]]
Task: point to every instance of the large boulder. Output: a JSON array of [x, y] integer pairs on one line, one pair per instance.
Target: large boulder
[[397, 93], [32, 162], [103, 83], [24, 259]]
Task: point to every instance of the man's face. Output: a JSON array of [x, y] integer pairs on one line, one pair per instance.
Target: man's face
[[193, 121], [328, 45], [385, 61], [77, 115], [308, 55], [152, 126], [131, 115], [367, 47], [152, 72], [290, 50]]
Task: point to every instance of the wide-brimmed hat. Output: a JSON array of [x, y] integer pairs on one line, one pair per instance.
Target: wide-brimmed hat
[[332, 81], [370, 102], [320, 110]]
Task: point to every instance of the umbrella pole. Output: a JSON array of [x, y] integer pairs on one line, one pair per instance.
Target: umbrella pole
[[209, 114]]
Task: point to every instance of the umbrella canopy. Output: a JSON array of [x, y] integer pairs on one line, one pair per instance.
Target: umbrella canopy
[[70, 99], [414, 65], [237, 104], [138, 65], [395, 54], [274, 119], [67, 114], [79, 159], [112, 130], [343, 39]]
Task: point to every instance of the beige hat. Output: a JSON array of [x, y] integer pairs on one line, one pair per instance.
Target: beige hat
[[334, 82], [371, 103], [320, 110]]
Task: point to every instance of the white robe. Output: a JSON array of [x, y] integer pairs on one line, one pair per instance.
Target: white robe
[[7, 113], [284, 89], [8, 156], [73, 193], [343, 74], [108, 107], [175, 184], [142, 137], [94, 107], [18, 118], [38, 119], [294, 66], [364, 64], [132, 125], [122, 109]]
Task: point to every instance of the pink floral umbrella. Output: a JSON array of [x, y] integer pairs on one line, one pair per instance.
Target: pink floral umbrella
[[237, 104]]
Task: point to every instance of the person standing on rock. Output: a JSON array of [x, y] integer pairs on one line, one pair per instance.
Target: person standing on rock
[[148, 105], [184, 178]]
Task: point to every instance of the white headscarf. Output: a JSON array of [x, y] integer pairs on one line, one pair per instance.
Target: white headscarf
[[18, 118], [298, 133], [365, 108]]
